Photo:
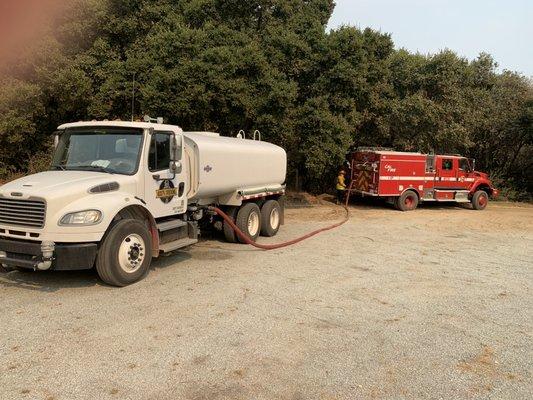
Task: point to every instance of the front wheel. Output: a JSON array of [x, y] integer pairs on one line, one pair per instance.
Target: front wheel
[[125, 254], [229, 233], [480, 199]]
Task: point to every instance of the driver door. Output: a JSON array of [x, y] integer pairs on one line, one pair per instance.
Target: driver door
[[447, 173], [165, 185], [463, 172]]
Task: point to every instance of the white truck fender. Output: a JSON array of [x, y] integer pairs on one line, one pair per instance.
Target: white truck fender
[[110, 205], [137, 208]]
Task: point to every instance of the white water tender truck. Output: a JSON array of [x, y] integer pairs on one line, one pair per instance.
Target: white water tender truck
[[120, 193]]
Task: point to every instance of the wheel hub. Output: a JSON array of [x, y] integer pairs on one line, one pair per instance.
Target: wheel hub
[[134, 253], [131, 253], [253, 224], [274, 218]]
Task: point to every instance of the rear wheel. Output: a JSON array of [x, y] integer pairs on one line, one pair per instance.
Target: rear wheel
[[408, 201], [270, 218], [249, 220], [480, 199], [125, 254], [229, 233]]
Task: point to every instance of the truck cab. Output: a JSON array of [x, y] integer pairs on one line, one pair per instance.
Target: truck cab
[[119, 193], [456, 179]]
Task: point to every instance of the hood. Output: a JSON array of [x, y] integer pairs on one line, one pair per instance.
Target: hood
[[55, 184]]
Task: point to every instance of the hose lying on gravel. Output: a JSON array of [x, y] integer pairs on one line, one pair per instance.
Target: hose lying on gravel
[[249, 241]]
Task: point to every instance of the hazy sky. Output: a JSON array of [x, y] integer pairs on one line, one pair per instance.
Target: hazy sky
[[503, 28]]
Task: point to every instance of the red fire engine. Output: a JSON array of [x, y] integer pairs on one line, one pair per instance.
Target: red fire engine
[[405, 179]]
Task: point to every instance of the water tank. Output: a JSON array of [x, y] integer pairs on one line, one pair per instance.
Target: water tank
[[221, 165]]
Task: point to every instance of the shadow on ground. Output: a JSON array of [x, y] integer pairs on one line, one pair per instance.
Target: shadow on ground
[[378, 203], [50, 281]]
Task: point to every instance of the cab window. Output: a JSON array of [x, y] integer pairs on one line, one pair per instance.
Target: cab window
[[159, 155], [447, 164]]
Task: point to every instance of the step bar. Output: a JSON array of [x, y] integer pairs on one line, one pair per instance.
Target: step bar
[[177, 244]]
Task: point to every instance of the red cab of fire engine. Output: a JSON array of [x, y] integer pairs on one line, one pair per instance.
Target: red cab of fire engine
[[407, 179]]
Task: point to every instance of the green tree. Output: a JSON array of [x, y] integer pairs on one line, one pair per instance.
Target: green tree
[[227, 65]]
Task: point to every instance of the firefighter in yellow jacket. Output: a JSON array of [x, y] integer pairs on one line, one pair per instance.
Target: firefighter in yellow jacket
[[341, 187]]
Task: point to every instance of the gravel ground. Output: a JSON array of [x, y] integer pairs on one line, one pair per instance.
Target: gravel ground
[[431, 304]]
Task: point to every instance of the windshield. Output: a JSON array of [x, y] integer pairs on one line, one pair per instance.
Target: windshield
[[464, 165], [112, 150]]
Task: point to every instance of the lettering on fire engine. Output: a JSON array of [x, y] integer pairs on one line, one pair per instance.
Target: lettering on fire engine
[[390, 168]]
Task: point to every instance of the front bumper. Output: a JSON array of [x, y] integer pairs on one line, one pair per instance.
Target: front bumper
[[67, 256]]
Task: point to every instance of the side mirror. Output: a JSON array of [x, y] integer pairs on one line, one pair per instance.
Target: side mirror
[[56, 138], [176, 147]]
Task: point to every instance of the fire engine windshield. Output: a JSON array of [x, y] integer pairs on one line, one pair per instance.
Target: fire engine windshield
[[111, 150], [464, 165]]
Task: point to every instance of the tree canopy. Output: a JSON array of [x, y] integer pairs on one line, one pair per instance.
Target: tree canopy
[[271, 65]]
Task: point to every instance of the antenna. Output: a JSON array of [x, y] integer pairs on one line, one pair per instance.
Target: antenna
[[133, 98]]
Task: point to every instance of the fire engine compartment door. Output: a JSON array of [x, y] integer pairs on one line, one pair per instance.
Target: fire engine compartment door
[[165, 192], [365, 172]]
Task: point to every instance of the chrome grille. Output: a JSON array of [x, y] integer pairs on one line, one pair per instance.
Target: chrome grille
[[21, 212]]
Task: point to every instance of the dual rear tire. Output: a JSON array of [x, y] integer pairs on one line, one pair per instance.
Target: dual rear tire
[[249, 221], [270, 218], [254, 221]]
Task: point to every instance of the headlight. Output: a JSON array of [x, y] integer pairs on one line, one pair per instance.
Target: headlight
[[88, 217]]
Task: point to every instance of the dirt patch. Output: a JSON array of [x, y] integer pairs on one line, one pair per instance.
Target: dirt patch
[[482, 365], [323, 214], [485, 370], [303, 199]]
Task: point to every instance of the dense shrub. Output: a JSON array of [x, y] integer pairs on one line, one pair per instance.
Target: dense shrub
[[271, 65]]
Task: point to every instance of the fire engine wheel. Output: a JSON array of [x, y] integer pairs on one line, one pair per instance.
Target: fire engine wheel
[[270, 218], [480, 199], [229, 233], [249, 220], [125, 254], [408, 201]]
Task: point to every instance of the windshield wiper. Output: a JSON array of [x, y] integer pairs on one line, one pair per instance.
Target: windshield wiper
[[95, 167], [62, 167]]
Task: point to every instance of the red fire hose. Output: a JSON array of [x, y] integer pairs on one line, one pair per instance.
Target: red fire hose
[[249, 241]]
